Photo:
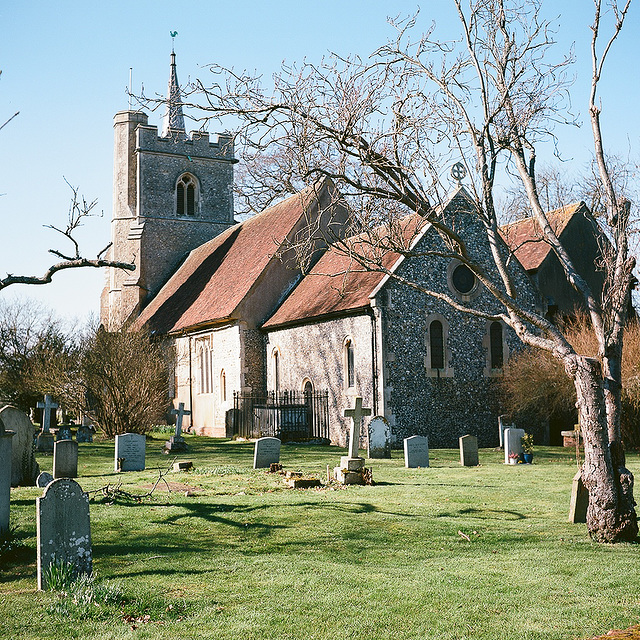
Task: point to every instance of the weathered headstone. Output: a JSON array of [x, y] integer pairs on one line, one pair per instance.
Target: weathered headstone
[[44, 443], [64, 432], [5, 477], [579, 500], [512, 445], [64, 529], [351, 466], [469, 451], [379, 441], [130, 452], [502, 425], [65, 459], [84, 433], [24, 468], [266, 452], [416, 452], [177, 441], [44, 479]]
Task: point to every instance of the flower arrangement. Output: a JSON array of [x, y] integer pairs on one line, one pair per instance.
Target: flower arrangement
[[527, 443]]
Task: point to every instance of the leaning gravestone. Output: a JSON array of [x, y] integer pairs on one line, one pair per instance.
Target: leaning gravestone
[[266, 452], [468, 451], [84, 433], [512, 444], [65, 459], [64, 529], [579, 500], [130, 452], [379, 441], [24, 468], [5, 478], [44, 479], [416, 452]]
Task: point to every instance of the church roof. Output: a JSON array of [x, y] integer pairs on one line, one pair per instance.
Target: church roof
[[217, 276], [524, 237]]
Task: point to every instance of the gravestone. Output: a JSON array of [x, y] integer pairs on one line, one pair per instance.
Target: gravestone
[[130, 452], [64, 432], [512, 444], [579, 500], [266, 452], [416, 452], [351, 466], [65, 459], [24, 468], [469, 451], [379, 440], [44, 442], [176, 441], [64, 529], [44, 479], [84, 433], [502, 425], [5, 478]]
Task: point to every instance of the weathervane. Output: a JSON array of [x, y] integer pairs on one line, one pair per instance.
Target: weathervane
[[458, 172], [173, 35]]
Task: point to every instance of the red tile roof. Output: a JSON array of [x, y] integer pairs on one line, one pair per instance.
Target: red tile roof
[[217, 276], [338, 283], [524, 237]]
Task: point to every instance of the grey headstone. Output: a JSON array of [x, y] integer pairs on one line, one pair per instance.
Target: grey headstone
[[64, 530], [579, 500], [512, 443], [502, 425], [130, 447], [266, 452], [44, 479], [416, 452], [5, 479], [379, 438], [24, 468], [64, 433], [65, 459], [84, 434], [469, 451]]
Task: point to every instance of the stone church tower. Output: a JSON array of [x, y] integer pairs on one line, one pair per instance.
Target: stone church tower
[[171, 193]]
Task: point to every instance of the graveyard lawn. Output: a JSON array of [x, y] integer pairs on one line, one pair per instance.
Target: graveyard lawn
[[446, 552]]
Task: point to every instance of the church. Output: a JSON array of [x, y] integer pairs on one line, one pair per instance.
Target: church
[[255, 339]]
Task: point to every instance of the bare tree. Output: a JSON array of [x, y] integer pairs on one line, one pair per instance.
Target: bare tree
[[79, 210], [384, 128]]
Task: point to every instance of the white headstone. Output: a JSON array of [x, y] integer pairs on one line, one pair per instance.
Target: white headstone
[[416, 452], [64, 530], [266, 452], [130, 452], [44, 479], [65, 459], [5, 478], [24, 468], [379, 441], [502, 425], [512, 444], [468, 451]]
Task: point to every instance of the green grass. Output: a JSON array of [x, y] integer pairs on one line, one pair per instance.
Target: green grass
[[244, 557]]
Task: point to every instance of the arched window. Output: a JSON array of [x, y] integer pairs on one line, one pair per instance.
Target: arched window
[[186, 196], [349, 364], [205, 357], [223, 386], [276, 370], [496, 345], [436, 345]]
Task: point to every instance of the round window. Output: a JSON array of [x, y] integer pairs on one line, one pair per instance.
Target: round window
[[463, 279]]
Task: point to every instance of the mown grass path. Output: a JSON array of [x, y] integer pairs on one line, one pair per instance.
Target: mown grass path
[[232, 553]]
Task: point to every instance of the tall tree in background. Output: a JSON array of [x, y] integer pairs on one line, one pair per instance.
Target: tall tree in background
[[383, 129]]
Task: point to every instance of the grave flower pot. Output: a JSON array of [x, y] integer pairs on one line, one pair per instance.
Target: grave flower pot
[[528, 458]]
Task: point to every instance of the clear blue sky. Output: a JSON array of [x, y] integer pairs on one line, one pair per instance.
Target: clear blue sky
[[65, 67]]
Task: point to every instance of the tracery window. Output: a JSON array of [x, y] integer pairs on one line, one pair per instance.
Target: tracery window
[[205, 357], [186, 196]]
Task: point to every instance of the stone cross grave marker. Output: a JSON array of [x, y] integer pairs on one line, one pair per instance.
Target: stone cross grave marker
[[64, 529], [579, 500], [46, 407], [130, 452], [5, 477], [266, 452], [512, 444], [468, 451], [379, 440], [416, 452], [65, 459], [24, 468], [176, 441], [44, 479], [356, 414]]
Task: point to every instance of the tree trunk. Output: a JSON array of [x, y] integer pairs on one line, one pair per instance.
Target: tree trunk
[[611, 516]]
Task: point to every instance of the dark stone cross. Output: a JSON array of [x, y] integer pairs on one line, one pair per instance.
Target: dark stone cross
[[46, 407], [356, 414], [180, 412]]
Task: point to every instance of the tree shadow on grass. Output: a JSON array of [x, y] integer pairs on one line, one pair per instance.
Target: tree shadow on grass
[[484, 514]]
